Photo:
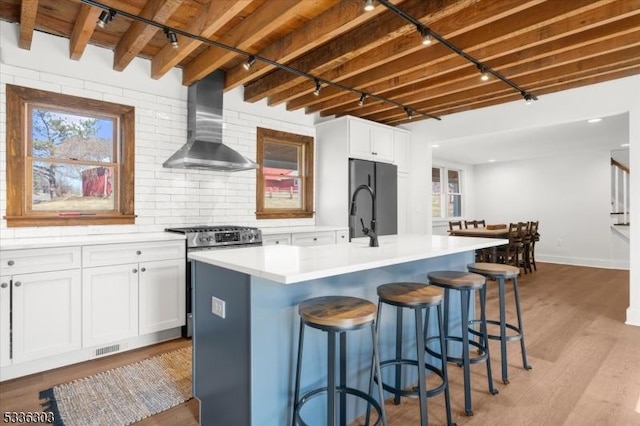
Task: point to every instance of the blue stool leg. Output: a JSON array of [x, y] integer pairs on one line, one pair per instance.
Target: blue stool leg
[[343, 378], [296, 393], [503, 331], [396, 399], [422, 385], [376, 366], [485, 336], [445, 375], [516, 293], [464, 298], [331, 379]]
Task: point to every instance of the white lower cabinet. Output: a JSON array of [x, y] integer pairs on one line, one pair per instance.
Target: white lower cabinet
[[342, 237], [46, 314], [125, 300], [5, 321], [313, 238], [280, 239], [162, 295], [109, 304]]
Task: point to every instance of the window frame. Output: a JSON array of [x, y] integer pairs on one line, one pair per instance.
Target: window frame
[[445, 194], [20, 101], [306, 144]]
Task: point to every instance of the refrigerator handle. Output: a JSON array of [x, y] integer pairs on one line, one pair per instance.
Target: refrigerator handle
[[369, 180]]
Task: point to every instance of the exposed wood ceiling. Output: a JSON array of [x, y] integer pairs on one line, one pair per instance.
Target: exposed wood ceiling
[[541, 46]]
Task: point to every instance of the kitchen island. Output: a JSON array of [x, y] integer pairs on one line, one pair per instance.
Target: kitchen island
[[246, 321]]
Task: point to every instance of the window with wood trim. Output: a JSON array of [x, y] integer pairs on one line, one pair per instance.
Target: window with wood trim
[[446, 192], [70, 160], [284, 180]]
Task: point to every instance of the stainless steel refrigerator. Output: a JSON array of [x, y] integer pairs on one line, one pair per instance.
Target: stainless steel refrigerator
[[382, 178]]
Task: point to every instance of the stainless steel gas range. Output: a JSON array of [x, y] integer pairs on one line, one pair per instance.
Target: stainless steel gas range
[[213, 238]]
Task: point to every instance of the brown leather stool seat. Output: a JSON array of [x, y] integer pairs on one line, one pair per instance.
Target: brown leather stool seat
[[464, 283], [338, 315], [501, 273], [420, 298]]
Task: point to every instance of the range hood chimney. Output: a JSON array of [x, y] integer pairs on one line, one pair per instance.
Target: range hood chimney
[[204, 148]]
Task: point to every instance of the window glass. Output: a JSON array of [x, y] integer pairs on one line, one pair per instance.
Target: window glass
[[285, 178], [450, 179], [436, 192]]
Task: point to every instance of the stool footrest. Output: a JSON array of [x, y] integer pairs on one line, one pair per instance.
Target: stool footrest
[[404, 392], [511, 338], [472, 360], [339, 389]]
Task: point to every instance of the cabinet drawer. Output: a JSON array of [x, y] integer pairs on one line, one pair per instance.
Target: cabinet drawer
[[116, 254], [39, 260], [269, 240], [342, 237], [313, 238]]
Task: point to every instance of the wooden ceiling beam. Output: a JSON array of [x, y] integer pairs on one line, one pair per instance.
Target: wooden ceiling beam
[[337, 20], [83, 29], [369, 36], [560, 73], [368, 64], [28, 13], [434, 62], [139, 33], [260, 24], [213, 16], [587, 45]]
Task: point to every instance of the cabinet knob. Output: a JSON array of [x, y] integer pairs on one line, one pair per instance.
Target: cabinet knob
[[315, 239], [11, 263], [277, 242], [17, 284], [143, 269], [4, 285], [134, 270], [138, 252]]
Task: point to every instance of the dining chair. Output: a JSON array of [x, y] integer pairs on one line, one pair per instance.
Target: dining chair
[[535, 237], [455, 224], [511, 253], [470, 223]]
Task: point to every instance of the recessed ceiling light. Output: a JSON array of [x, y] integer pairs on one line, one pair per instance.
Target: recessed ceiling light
[[435, 146], [594, 120], [625, 144], [492, 161]]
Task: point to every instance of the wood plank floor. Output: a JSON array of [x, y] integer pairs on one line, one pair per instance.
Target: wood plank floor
[[586, 362]]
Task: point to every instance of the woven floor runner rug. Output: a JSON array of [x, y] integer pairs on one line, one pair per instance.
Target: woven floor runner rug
[[125, 394]]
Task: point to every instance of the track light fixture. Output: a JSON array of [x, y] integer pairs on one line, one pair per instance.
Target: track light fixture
[[368, 5], [409, 112], [108, 14], [528, 97], [173, 38], [484, 75], [318, 87], [105, 17], [425, 33], [247, 65]]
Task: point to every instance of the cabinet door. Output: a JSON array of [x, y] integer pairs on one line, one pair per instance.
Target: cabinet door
[[342, 236], [382, 143], [280, 239], [5, 326], [404, 209], [116, 254], [359, 140], [109, 304], [46, 314], [27, 261], [401, 147], [162, 295]]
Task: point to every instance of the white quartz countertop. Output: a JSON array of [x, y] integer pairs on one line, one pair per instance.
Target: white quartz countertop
[[81, 240], [291, 264]]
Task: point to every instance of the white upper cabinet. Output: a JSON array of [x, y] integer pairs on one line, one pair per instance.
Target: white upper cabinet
[[370, 141], [402, 150]]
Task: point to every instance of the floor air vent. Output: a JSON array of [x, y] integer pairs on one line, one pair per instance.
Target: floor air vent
[[107, 350]]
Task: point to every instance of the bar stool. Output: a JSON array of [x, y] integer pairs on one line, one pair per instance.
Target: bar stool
[[337, 315], [464, 282], [419, 298], [501, 273]]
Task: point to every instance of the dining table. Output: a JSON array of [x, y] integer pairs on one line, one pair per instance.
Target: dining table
[[490, 231]]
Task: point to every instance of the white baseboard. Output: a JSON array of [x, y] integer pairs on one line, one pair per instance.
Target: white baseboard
[[85, 354], [579, 261], [633, 316]]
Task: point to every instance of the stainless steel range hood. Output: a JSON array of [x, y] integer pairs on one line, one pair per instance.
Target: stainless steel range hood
[[204, 148]]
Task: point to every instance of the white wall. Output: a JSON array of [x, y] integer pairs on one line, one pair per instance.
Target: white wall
[[163, 197], [633, 313]]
